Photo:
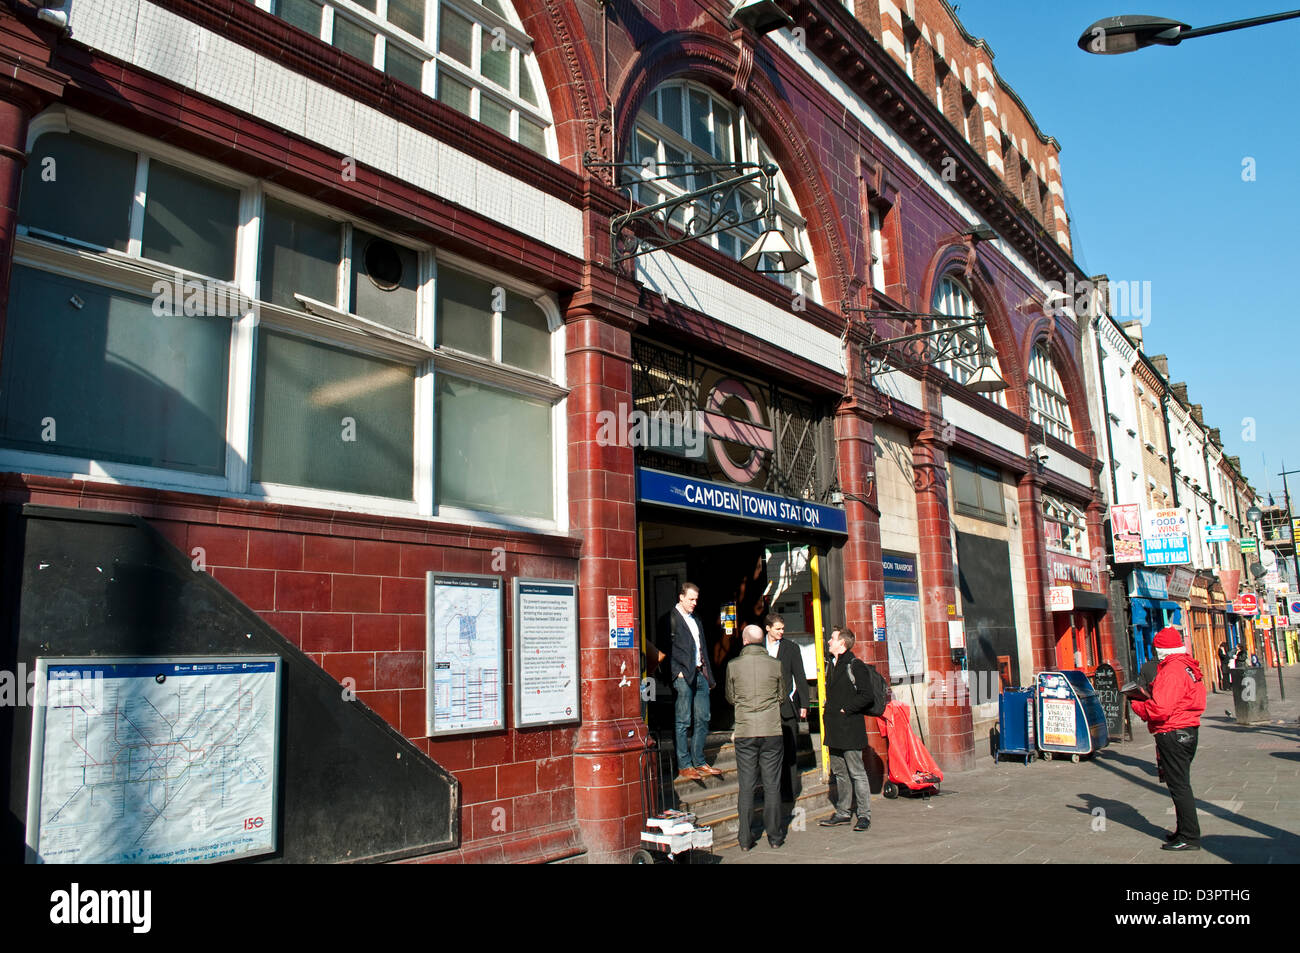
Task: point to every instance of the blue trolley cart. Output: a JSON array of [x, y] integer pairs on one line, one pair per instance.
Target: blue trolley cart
[[1016, 724], [1070, 717]]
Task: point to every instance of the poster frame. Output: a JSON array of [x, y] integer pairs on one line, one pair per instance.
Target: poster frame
[[516, 644], [36, 756], [431, 579]]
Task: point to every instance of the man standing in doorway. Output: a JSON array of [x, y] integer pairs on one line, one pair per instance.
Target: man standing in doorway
[[754, 686], [794, 702], [692, 679], [1173, 715], [848, 696]]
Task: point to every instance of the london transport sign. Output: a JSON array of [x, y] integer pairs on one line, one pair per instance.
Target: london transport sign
[[722, 499]]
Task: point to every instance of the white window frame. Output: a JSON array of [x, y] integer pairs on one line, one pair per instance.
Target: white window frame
[[746, 146], [324, 322], [1047, 404], [426, 47], [954, 299]]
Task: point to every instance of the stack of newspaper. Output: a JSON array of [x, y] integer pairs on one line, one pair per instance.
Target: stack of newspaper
[[676, 832]]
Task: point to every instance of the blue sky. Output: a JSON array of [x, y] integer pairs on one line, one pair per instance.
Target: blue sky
[[1152, 151]]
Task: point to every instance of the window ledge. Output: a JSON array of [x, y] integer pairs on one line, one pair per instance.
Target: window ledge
[[359, 325], [476, 368]]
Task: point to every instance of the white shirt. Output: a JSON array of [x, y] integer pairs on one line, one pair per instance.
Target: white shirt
[[695, 631], [773, 645]]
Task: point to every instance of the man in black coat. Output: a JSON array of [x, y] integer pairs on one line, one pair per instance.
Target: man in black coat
[[794, 702], [848, 696], [692, 679]]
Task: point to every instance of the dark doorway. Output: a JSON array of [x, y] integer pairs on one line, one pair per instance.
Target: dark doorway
[[984, 575]]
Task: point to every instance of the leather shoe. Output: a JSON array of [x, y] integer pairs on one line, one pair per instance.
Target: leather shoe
[[776, 844], [688, 774], [1180, 844], [1171, 837], [746, 848], [709, 769], [834, 820], [864, 823]]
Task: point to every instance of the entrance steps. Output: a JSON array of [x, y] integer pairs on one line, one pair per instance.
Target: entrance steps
[[713, 799]]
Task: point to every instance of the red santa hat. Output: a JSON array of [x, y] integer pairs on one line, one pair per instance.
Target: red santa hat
[[1168, 641]]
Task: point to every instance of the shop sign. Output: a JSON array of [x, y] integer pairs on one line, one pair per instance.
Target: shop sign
[[705, 496], [1180, 583], [1295, 529], [1248, 546], [1245, 604], [1145, 584], [1217, 533], [1164, 538], [1060, 598], [1265, 622], [1071, 571], [1126, 532], [1283, 622]]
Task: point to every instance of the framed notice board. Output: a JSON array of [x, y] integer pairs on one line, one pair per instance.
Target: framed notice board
[[547, 682], [464, 653], [153, 760]]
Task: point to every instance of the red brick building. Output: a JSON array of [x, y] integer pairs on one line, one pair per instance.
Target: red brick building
[[394, 194]]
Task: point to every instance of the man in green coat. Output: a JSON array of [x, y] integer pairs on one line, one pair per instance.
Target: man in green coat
[[754, 686]]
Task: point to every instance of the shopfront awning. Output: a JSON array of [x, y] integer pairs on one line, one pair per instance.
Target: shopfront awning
[[1083, 599]]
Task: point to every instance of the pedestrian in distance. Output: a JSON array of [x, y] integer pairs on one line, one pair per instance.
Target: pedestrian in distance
[[754, 685], [848, 696], [794, 702], [1173, 716], [692, 679]]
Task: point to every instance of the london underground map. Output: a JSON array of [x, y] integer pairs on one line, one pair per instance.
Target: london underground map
[[140, 761], [466, 653]]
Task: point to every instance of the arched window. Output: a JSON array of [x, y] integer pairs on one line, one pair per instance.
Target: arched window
[[683, 122], [1047, 403], [473, 55], [952, 299]]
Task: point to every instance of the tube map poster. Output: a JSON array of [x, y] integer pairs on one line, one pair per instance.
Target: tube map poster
[[155, 761]]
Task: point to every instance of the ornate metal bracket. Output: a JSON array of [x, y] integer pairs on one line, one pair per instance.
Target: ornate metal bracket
[[944, 343], [706, 211]]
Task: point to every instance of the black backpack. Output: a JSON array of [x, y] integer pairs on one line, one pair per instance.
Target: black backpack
[[879, 689]]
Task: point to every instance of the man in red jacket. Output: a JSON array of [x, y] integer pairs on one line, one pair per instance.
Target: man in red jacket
[[1173, 715]]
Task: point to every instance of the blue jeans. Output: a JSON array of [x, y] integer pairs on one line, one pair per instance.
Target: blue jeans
[[692, 693]]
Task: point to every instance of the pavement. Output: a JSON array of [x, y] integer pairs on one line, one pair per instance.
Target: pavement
[[1108, 809]]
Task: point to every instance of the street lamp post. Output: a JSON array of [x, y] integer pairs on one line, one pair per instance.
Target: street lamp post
[[1124, 34], [1254, 515], [1295, 545]]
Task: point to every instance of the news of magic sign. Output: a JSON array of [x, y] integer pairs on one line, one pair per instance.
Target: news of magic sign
[[671, 489]]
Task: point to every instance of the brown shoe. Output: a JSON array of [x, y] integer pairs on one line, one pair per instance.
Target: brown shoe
[[688, 774], [708, 769]]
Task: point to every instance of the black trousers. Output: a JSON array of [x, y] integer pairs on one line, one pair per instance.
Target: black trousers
[[791, 779], [755, 755], [1176, 749]]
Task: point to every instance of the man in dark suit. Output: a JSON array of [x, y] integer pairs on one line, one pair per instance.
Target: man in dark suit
[[794, 702], [692, 680]]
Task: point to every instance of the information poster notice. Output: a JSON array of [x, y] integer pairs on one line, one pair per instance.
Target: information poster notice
[[465, 648], [547, 686], [1058, 723], [153, 761], [903, 616]]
